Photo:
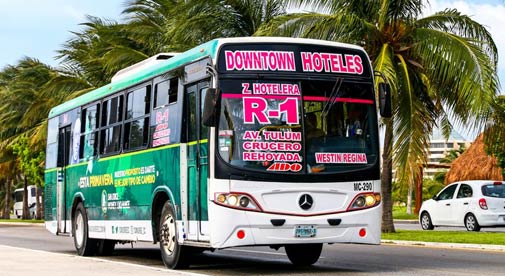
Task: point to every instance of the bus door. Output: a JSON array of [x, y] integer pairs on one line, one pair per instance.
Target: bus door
[[63, 160], [197, 162]]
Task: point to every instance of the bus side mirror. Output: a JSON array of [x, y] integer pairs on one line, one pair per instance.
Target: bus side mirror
[[385, 100], [210, 107]]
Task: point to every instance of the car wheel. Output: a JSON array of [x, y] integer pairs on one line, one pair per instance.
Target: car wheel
[[304, 254], [426, 223], [471, 223]]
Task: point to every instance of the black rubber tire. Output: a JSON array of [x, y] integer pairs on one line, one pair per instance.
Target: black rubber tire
[[105, 247], [174, 255], [83, 244], [304, 254], [471, 223], [425, 221]]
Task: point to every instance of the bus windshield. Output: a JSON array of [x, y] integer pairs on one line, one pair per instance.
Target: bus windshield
[[300, 126]]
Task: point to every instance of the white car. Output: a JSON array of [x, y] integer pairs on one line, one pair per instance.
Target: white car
[[473, 204]]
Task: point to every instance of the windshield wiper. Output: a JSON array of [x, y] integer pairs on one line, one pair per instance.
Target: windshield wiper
[[333, 96]]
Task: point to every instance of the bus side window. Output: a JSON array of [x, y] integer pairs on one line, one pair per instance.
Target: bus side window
[[165, 93], [52, 143], [112, 118], [165, 116], [89, 130], [138, 104]]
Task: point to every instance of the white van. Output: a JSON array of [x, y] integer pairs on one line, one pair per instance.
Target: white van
[[18, 201]]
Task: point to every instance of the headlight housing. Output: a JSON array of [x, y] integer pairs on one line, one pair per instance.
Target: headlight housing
[[364, 201], [240, 201]]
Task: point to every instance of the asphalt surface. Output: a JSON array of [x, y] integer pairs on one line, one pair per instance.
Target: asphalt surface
[[53, 264]]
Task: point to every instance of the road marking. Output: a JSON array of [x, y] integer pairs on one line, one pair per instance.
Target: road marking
[[98, 259], [256, 252]]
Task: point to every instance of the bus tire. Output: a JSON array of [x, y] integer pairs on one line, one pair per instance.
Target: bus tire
[[173, 254], [105, 247], [304, 254], [83, 244]]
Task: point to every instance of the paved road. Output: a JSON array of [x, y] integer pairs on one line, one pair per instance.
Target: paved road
[[337, 259]]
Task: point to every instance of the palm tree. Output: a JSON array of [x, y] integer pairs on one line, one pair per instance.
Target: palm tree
[[7, 180], [95, 54], [494, 135], [178, 25], [23, 113], [438, 66]]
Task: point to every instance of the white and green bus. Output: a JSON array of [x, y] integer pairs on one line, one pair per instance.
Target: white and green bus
[[238, 142]]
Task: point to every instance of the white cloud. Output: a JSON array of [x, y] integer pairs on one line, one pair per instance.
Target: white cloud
[[491, 15], [38, 28]]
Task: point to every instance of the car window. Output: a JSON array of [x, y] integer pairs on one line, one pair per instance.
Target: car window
[[493, 190], [465, 191], [447, 193]]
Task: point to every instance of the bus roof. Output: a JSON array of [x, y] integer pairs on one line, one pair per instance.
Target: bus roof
[[149, 71]]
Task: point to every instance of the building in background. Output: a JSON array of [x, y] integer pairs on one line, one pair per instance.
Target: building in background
[[440, 147]]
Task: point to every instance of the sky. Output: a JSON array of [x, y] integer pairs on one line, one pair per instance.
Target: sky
[[38, 28]]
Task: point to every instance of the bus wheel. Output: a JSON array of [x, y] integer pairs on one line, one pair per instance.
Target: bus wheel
[[84, 245], [105, 247], [172, 253], [304, 254]]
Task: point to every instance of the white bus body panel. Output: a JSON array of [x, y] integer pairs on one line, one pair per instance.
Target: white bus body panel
[[330, 202]]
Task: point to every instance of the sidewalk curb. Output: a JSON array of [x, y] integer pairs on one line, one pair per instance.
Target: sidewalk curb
[[490, 247], [406, 221]]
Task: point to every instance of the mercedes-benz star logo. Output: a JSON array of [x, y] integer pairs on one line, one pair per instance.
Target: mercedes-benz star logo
[[305, 202]]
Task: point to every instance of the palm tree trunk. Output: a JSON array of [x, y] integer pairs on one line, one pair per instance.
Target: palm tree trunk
[[387, 179], [38, 205], [26, 211], [409, 200], [7, 198]]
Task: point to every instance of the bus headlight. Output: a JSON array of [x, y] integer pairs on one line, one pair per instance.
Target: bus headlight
[[365, 200], [237, 200]]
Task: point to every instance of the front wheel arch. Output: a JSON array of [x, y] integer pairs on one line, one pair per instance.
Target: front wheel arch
[[157, 207], [77, 200]]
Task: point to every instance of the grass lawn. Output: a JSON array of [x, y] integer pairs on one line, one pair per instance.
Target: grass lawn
[[400, 212], [447, 236], [22, 221]]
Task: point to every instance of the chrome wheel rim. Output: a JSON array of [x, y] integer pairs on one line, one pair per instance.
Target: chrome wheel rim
[[470, 223], [79, 229], [425, 221], [167, 235]]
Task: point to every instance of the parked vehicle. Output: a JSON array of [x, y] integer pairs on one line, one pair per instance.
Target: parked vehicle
[[473, 204], [18, 201]]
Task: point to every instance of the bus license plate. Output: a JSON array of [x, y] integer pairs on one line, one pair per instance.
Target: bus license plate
[[305, 231]]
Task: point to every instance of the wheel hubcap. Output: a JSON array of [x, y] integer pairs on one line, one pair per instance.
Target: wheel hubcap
[[167, 235], [79, 230], [425, 221], [470, 222]]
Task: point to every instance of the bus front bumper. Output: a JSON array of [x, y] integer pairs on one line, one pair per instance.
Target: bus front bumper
[[242, 228]]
